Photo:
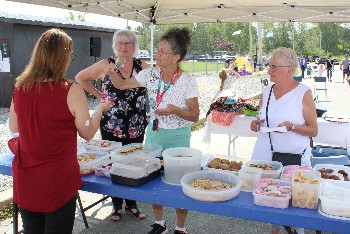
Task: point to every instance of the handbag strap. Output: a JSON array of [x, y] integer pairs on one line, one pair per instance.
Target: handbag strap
[[267, 119], [267, 116]]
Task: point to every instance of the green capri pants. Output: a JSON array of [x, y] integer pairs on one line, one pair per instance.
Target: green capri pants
[[168, 138]]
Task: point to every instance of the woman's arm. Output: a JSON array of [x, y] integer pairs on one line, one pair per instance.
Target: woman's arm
[[192, 114], [310, 128], [13, 124], [94, 72], [77, 103]]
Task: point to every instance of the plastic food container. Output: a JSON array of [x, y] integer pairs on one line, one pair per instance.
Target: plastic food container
[[274, 173], [231, 164], [287, 171], [101, 145], [179, 161], [334, 175], [138, 149], [211, 195], [135, 171], [305, 195], [264, 199], [87, 167], [249, 176], [336, 202]]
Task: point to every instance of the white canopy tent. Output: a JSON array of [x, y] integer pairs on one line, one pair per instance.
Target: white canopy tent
[[210, 11]]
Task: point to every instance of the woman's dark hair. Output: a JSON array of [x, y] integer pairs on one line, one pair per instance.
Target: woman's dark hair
[[179, 39]]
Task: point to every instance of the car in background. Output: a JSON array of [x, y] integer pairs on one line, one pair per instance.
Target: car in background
[[335, 61], [322, 61]]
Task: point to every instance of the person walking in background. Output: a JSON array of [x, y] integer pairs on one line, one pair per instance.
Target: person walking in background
[[255, 61], [344, 66], [173, 96], [126, 121], [286, 103], [303, 65], [329, 68], [47, 110]]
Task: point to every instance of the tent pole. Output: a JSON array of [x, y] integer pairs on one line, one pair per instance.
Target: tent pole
[[152, 37], [250, 44]]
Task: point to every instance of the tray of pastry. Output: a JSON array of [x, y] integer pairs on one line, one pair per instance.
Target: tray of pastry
[[101, 145], [220, 162], [333, 172], [139, 149]]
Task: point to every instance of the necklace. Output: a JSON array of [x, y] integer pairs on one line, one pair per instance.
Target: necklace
[[160, 95], [121, 75]]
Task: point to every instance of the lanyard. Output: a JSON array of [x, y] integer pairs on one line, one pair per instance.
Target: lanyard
[[160, 95]]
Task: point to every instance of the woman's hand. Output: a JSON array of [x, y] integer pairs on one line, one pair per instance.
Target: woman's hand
[[287, 124], [170, 109], [255, 124]]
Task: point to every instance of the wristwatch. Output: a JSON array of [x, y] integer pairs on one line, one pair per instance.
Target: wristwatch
[[292, 128]]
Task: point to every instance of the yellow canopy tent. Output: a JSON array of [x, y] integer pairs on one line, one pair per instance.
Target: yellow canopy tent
[[244, 67]]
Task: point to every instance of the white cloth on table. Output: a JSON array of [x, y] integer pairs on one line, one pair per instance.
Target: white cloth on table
[[287, 108]]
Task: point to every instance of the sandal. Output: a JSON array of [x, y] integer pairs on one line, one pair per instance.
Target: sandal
[[137, 213], [116, 215]]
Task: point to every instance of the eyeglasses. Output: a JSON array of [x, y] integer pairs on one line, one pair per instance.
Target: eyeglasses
[[161, 52], [120, 44], [274, 67]]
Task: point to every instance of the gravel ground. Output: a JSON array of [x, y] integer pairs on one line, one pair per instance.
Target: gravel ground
[[208, 86]]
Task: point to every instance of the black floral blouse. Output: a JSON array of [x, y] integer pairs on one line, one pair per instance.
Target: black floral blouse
[[127, 116]]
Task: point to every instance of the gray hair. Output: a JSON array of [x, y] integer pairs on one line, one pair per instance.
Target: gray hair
[[129, 35], [286, 55]]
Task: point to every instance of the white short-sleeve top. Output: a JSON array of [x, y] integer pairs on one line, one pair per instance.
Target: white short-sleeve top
[[288, 108], [184, 88]]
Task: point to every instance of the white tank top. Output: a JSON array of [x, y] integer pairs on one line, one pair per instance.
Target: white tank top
[[288, 108]]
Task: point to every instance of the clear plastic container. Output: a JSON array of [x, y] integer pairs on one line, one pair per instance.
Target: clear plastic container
[[226, 166], [87, 167], [101, 145], [153, 151], [179, 161], [274, 173], [249, 177], [135, 167], [287, 171], [305, 195], [271, 201], [211, 195], [336, 207]]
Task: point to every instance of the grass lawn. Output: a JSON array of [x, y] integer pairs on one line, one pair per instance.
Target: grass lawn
[[194, 66]]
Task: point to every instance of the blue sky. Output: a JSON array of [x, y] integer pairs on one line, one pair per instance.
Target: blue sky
[[27, 9]]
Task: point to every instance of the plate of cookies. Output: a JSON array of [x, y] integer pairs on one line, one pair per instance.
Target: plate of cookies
[[101, 145]]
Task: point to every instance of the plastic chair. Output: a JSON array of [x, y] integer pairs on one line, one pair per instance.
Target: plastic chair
[[264, 82], [337, 160], [322, 79], [298, 78]]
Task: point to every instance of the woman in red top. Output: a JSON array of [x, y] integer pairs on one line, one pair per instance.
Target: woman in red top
[[47, 110]]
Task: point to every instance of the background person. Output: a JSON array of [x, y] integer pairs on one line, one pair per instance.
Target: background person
[[173, 96], [291, 105], [344, 66], [126, 121], [329, 68], [47, 110], [303, 65]]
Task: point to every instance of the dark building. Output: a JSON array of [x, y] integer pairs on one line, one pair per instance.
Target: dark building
[[18, 37]]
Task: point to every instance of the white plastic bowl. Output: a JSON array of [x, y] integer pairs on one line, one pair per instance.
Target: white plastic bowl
[[179, 161], [211, 195]]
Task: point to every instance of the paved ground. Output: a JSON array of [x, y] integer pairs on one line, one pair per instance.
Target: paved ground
[[198, 223]]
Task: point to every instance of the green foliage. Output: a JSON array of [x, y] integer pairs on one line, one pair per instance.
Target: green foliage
[[79, 17], [6, 212], [310, 39]]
